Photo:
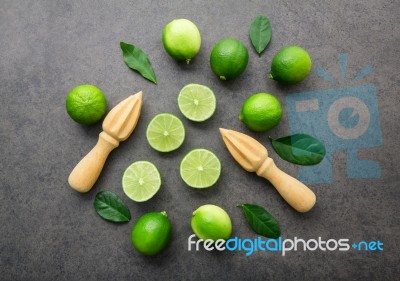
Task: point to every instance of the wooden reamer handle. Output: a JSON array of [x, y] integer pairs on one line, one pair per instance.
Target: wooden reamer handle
[[87, 171], [295, 193]]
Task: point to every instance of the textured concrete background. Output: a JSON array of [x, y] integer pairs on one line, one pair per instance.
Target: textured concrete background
[[50, 232]]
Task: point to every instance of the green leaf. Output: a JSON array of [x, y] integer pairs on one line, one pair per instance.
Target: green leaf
[[110, 207], [138, 60], [299, 149], [262, 222], [260, 33]]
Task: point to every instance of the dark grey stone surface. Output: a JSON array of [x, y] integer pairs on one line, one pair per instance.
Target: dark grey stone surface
[[50, 232]]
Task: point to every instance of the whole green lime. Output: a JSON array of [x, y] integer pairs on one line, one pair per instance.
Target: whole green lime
[[151, 233], [211, 222], [181, 39], [261, 112], [86, 104], [229, 58], [290, 65]]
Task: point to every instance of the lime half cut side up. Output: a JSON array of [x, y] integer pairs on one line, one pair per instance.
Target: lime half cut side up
[[141, 181], [197, 102], [165, 132], [200, 168]]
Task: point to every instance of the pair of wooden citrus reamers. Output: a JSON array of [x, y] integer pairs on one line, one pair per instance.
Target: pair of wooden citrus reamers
[[253, 157], [117, 126]]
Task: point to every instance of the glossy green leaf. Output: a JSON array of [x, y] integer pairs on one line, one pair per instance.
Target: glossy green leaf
[[260, 33], [110, 207], [262, 222], [299, 149], [138, 60]]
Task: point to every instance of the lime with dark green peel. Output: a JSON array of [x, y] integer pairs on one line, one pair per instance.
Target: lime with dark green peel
[[151, 233], [261, 112], [86, 104], [290, 65], [229, 58], [211, 222]]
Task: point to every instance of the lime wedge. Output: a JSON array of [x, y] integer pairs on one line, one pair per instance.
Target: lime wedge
[[165, 132], [141, 181], [200, 168], [196, 102]]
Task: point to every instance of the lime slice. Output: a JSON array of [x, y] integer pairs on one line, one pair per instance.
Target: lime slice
[[165, 132], [141, 181], [200, 168], [197, 102]]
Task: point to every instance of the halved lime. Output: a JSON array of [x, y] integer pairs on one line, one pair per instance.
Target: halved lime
[[141, 181], [197, 102], [200, 168], [165, 132]]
